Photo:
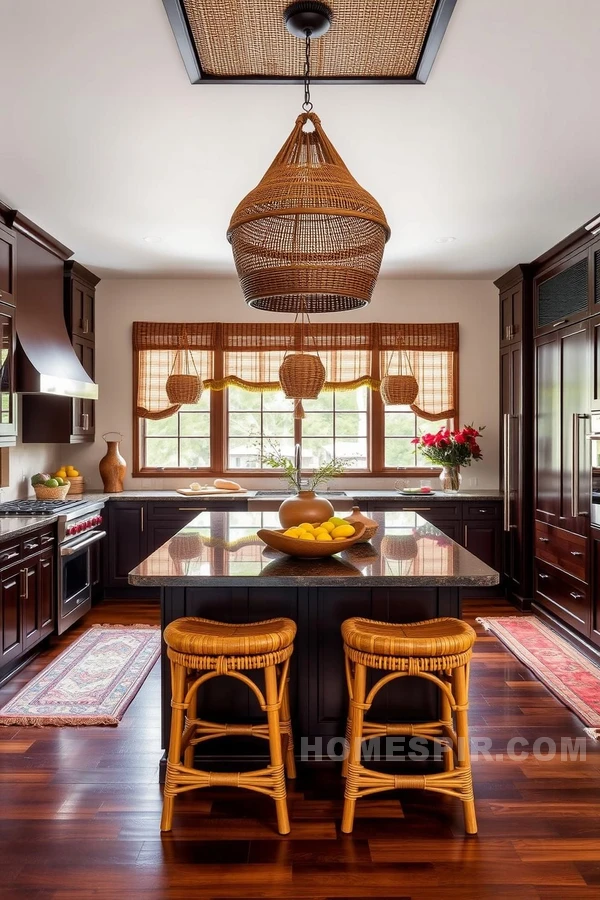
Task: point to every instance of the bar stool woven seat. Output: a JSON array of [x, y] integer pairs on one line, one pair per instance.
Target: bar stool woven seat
[[437, 643], [438, 650], [202, 649], [250, 646]]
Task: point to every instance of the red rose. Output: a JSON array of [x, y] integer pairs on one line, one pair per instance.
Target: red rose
[[460, 438]]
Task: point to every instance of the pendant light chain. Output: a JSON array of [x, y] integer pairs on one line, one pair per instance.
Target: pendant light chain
[[307, 105]]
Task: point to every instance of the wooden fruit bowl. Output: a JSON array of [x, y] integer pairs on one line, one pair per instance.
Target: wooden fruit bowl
[[277, 540]]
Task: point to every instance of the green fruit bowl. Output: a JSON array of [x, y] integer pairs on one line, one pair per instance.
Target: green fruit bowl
[[51, 493], [277, 540]]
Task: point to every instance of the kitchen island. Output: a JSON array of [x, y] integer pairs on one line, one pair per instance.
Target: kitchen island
[[218, 568]]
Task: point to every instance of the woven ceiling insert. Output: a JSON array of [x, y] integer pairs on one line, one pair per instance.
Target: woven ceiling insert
[[374, 40]]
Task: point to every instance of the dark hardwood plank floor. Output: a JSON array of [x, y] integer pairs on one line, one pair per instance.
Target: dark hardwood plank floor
[[80, 810]]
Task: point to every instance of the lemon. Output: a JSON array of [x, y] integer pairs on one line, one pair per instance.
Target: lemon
[[73, 473], [306, 526], [338, 539], [324, 536], [335, 520], [342, 531], [292, 532], [328, 526], [307, 536], [320, 530]]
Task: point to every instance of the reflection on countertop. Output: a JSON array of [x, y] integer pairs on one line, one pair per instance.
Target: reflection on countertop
[[222, 549]]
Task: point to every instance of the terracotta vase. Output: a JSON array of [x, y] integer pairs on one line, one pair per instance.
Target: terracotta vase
[[305, 506], [112, 466], [371, 525]]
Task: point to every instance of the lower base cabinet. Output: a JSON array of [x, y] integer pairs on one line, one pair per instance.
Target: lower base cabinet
[[27, 596]]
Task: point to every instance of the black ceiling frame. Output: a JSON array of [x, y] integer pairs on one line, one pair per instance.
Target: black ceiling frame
[[183, 35]]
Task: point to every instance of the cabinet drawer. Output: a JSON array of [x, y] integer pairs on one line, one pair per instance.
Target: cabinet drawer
[[569, 602], [482, 511], [175, 510], [562, 549], [32, 543], [433, 512], [9, 553]]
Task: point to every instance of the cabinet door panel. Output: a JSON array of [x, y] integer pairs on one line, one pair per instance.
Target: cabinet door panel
[[562, 294], [10, 615], [483, 540], [8, 419], [575, 402], [126, 540], [31, 608], [7, 267], [548, 428], [47, 594]]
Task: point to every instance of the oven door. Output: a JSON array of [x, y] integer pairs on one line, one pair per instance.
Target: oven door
[[74, 579]]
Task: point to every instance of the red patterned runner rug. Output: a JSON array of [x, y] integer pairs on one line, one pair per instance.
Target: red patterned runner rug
[[92, 682], [563, 669]]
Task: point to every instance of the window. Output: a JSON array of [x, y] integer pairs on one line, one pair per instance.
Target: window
[[253, 420], [401, 426], [241, 411], [181, 441], [336, 424]]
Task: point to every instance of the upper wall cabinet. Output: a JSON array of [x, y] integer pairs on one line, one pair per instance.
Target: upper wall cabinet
[[511, 314], [80, 291], [7, 266], [562, 294]]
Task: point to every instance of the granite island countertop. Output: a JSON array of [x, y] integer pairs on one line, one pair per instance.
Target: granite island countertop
[[222, 549]]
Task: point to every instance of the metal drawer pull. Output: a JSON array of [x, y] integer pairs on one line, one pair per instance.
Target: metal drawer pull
[[560, 322], [576, 553], [33, 546], [576, 596], [483, 510], [416, 509], [192, 509], [6, 556], [544, 540], [543, 577], [47, 539]]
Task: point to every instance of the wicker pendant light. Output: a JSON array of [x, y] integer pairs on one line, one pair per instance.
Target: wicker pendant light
[[184, 385], [399, 390], [301, 375], [308, 237]]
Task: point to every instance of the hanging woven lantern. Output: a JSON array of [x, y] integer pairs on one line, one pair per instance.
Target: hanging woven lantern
[[401, 389], [301, 377], [308, 236], [184, 385]]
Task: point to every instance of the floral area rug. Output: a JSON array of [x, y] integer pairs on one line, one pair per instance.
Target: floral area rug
[[92, 682], [570, 675]]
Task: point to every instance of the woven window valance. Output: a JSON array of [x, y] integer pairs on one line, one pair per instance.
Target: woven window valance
[[252, 353]]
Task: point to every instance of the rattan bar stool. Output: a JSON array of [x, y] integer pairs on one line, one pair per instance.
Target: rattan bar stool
[[438, 650], [199, 650]]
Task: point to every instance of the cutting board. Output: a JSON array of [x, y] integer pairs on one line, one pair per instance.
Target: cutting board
[[204, 492]]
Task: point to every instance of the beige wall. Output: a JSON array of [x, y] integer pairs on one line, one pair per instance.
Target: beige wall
[[120, 302]]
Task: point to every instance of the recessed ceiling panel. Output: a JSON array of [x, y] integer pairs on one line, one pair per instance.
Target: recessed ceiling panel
[[246, 40]]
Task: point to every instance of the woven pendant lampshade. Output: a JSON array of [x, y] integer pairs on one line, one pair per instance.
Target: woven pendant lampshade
[[301, 376], [184, 385], [308, 237], [398, 390]]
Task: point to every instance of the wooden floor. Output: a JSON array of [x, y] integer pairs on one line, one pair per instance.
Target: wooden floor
[[80, 809]]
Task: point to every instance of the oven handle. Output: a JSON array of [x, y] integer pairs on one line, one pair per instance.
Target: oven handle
[[74, 548]]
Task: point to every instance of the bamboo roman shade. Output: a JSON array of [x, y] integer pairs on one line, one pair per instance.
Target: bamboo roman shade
[[156, 346], [252, 353]]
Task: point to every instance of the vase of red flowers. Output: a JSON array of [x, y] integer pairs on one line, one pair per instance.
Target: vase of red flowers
[[451, 450]]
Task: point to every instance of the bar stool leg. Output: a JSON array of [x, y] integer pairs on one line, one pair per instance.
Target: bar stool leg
[[271, 692], [350, 680], [461, 696], [446, 719], [178, 681], [359, 685], [286, 716], [192, 713]]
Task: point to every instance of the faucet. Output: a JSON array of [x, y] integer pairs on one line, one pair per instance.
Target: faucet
[[298, 465]]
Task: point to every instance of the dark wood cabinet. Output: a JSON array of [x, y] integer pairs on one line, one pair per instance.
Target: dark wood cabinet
[[595, 587], [83, 411], [516, 429], [562, 293], [563, 367], [138, 528], [8, 404], [7, 266], [484, 540], [27, 596], [80, 302]]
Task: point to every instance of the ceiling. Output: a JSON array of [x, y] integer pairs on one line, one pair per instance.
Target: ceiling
[[105, 142]]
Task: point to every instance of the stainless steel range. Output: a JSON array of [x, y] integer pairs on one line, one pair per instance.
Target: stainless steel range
[[79, 530]]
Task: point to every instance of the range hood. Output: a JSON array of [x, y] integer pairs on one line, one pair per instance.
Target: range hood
[[46, 362]]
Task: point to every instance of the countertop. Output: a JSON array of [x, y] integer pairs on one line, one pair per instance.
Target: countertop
[[221, 549], [13, 526], [275, 494]]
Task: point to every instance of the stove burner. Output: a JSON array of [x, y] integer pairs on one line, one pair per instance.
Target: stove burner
[[38, 507]]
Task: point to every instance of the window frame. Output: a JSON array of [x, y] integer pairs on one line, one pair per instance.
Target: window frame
[[219, 435]]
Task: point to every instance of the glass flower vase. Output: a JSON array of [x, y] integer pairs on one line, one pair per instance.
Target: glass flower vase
[[450, 479]]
